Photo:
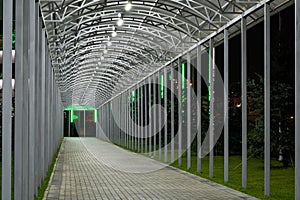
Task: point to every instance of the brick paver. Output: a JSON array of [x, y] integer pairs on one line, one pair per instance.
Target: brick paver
[[88, 168]]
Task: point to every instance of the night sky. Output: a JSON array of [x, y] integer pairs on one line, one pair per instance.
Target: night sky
[[282, 50]]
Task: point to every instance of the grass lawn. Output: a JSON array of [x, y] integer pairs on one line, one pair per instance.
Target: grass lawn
[[282, 179]]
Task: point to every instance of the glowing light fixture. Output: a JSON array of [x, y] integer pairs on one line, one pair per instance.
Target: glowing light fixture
[[114, 33], [109, 43], [162, 86], [120, 20], [95, 116], [105, 51], [128, 6]]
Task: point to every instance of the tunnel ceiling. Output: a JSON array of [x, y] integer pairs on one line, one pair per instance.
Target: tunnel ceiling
[[94, 58]]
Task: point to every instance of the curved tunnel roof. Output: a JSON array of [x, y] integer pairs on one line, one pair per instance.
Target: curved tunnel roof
[[94, 58]]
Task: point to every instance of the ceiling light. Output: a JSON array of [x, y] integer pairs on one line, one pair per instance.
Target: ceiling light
[[114, 34], [120, 20], [105, 51], [109, 42], [102, 57], [128, 6]]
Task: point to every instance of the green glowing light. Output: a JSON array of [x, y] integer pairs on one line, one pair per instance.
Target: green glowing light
[[162, 86], [95, 115], [182, 81], [132, 97], [79, 107], [182, 75], [72, 116]]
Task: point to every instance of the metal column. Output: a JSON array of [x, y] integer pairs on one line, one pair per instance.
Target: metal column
[[43, 123], [199, 102], [138, 123], [32, 99], [146, 118], [7, 99], [226, 96], [84, 123], [155, 112], [211, 107], [142, 118], [150, 131], [18, 147], [244, 101], [179, 115], [172, 116], [297, 99], [267, 97], [189, 119], [159, 116], [166, 111]]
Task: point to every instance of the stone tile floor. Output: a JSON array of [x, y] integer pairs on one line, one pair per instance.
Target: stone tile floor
[[88, 168]]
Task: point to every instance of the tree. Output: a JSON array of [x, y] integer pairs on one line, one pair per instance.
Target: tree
[[282, 134]]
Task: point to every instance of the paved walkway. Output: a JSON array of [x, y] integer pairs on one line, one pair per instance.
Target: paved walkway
[[88, 168]]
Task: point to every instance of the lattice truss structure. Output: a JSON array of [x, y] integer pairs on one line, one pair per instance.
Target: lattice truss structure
[[91, 65]]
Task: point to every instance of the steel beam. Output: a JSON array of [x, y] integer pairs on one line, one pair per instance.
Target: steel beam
[[150, 130], [18, 146], [226, 116], [179, 114], [297, 99], [166, 112], [211, 108], [159, 117], [244, 101], [188, 108], [32, 99], [6, 98], [172, 116], [199, 108], [267, 102]]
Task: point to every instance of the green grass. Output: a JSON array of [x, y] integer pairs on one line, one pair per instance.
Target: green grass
[[44, 185], [282, 179]]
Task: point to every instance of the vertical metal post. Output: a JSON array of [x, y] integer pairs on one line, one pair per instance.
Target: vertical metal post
[[188, 111], [32, 102], [211, 107], [36, 96], [199, 102], [138, 118], [297, 99], [146, 118], [267, 97], [166, 112], [226, 117], [18, 146], [84, 120], [7, 102], [119, 115], [155, 112], [159, 116], [132, 124], [150, 119], [69, 124], [179, 114], [244, 102], [43, 122], [142, 117], [172, 116]]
